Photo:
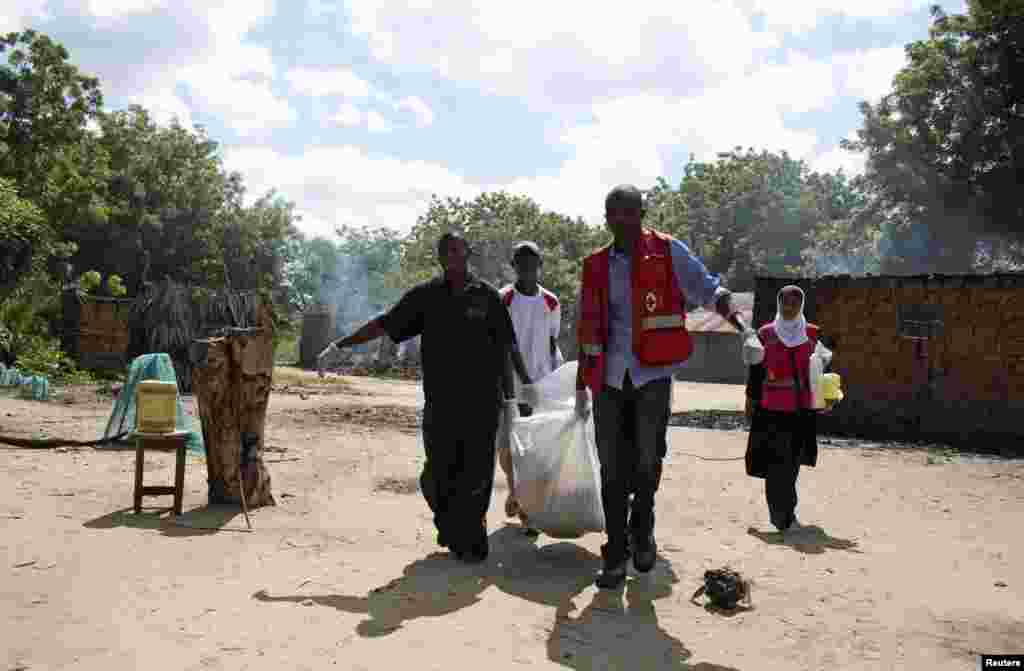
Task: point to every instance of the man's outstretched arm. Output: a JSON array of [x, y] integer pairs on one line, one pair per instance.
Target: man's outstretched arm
[[364, 334]]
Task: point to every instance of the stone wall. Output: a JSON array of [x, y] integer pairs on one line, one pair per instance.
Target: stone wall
[[965, 384]]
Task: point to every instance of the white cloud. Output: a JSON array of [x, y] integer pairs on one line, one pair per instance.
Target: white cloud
[[851, 163], [563, 51], [247, 106], [420, 110], [869, 74], [333, 185], [628, 139], [327, 82], [631, 136], [14, 16], [163, 106], [118, 9], [347, 115], [799, 17], [144, 50], [232, 80], [376, 123]]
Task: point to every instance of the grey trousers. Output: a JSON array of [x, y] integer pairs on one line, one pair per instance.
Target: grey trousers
[[630, 426]]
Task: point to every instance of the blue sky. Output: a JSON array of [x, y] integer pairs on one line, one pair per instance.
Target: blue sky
[[358, 111]]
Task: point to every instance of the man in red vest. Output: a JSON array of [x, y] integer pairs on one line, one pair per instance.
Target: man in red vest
[[632, 340]]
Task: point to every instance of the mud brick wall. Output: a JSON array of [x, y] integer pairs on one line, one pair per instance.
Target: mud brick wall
[[95, 330], [965, 385]]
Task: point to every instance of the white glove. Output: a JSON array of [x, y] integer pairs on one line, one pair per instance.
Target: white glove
[[529, 395], [582, 404], [825, 354], [321, 359], [557, 360], [753, 350], [510, 413]]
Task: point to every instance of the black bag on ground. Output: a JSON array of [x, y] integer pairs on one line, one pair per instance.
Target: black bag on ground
[[724, 588]]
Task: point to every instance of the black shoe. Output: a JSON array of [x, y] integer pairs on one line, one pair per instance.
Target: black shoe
[[612, 577], [644, 553], [471, 556], [474, 553], [474, 556]]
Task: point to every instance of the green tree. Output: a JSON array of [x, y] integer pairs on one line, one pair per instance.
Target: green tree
[[493, 223], [309, 263], [946, 145], [27, 238], [167, 200], [45, 104], [743, 214], [842, 241]]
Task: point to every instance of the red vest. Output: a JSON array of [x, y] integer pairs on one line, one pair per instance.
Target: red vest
[[779, 389], [659, 309]]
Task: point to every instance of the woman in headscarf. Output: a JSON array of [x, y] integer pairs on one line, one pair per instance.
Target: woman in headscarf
[[783, 427]]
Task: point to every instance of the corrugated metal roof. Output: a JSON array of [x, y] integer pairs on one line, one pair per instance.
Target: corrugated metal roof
[[709, 321]]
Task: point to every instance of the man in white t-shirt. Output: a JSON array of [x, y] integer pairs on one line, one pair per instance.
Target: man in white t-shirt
[[537, 317]]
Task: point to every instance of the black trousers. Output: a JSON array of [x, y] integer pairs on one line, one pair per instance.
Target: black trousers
[[777, 443], [458, 475], [780, 485], [630, 426]]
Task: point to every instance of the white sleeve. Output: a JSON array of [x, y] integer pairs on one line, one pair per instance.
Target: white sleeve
[[556, 321]]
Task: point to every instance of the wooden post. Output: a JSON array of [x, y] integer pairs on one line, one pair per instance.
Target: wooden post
[[231, 380]]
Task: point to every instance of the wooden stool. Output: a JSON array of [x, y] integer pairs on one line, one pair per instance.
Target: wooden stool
[[177, 440]]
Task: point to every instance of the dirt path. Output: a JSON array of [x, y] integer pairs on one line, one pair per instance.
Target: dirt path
[[904, 564]]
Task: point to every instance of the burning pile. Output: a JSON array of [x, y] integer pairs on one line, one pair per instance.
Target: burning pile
[[388, 361], [399, 372]]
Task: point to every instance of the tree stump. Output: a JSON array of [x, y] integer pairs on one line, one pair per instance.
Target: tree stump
[[231, 380]]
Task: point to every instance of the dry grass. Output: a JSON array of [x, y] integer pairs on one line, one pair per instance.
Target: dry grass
[[385, 416], [298, 377]]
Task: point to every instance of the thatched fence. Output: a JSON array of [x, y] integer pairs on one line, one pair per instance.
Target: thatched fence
[[107, 333], [168, 317]]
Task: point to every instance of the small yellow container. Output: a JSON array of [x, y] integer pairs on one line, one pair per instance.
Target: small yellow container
[[155, 406], [832, 391]]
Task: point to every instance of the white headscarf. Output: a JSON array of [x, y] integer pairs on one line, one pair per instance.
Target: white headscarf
[[792, 332]]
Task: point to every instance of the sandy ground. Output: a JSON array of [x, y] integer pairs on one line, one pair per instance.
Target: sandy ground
[[906, 562]]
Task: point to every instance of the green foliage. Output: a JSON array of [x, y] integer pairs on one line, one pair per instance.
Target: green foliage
[[165, 202], [90, 281], [307, 261], [945, 147], [758, 213], [27, 238], [45, 103], [115, 285], [26, 313], [375, 254], [42, 355], [286, 352], [493, 223]]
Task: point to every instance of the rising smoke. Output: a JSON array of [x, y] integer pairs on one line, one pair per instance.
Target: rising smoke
[[350, 292]]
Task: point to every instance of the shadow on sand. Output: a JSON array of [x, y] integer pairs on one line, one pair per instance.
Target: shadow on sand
[[201, 521], [807, 539], [617, 630], [438, 585]]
